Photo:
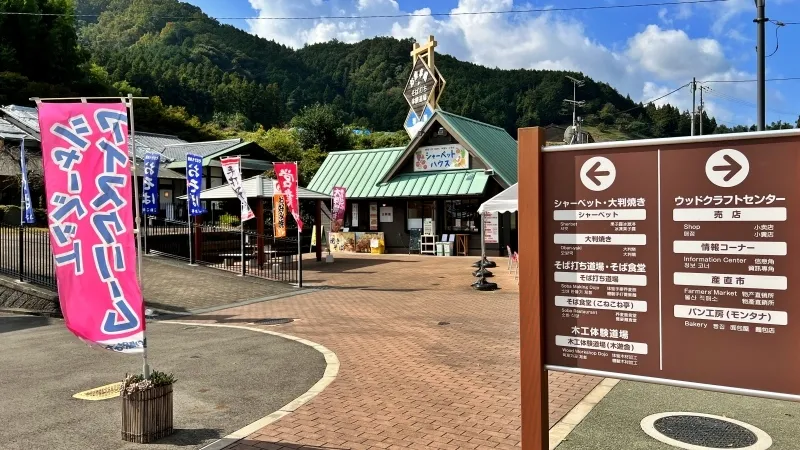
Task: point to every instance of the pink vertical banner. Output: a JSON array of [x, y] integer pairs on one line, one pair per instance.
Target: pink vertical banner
[[89, 204], [286, 173], [339, 202]]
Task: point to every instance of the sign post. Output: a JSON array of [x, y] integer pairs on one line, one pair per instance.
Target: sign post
[[664, 261]]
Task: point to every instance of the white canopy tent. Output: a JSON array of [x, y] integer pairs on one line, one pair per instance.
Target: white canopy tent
[[504, 202]]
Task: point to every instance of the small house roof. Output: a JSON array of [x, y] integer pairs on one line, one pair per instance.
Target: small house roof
[[257, 186]]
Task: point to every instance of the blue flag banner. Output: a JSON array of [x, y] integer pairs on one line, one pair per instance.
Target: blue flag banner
[[27, 215], [194, 179], [150, 183]]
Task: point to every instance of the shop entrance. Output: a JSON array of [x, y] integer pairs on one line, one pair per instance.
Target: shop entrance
[[421, 215]]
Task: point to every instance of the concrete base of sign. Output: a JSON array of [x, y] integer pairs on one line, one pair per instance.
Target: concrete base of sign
[[484, 263], [483, 285], [763, 440]]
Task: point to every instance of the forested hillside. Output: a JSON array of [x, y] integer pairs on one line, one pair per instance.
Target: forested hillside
[[173, 50], [209, 76]]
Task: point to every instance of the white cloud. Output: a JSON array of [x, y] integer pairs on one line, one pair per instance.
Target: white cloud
[[672, 55], [653, 60], [671, 14]]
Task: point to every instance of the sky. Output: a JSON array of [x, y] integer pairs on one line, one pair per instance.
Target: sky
[[643, 52]]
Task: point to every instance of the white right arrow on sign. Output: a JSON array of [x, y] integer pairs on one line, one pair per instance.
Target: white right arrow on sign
[[727, 167]]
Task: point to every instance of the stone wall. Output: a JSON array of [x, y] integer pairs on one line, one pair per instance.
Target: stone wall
[[25, 297]]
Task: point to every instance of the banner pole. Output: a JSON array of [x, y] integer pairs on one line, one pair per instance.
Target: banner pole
[[242, 246], [299, 233], [22, 210], [145, 365]]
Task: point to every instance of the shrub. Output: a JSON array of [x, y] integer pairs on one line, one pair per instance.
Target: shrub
[[228, 220], [137, 383]]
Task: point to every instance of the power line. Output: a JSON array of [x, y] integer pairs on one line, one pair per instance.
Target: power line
[[750, 81], [778, 26], [655, 99], [399, 16], [733, 99]]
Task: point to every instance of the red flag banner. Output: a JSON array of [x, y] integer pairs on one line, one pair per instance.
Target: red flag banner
[[339, 199], [286, 174]]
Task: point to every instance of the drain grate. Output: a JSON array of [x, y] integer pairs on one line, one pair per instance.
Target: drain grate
[[106, 392], [697, 431], [273, 321], [705, 432]]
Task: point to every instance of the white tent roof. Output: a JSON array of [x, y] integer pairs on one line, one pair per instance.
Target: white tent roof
[[257, 186], [506, 201]]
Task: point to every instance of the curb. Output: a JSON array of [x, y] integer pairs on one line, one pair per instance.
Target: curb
[[331, 371], [564, 427]]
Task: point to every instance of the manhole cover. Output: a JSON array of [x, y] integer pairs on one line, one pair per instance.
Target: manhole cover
[[273, 321], [695, 431], [101, 393]]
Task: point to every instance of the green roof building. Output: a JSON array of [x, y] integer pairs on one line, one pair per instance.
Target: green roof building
[[432, 187]]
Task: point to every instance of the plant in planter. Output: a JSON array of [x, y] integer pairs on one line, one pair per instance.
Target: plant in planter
[[147, 407]]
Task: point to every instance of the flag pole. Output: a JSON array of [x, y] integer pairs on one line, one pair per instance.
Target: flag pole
[[299, 234], [145, 365], [22, 209]]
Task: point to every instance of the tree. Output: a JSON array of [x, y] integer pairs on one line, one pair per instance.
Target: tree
[[321, 125]]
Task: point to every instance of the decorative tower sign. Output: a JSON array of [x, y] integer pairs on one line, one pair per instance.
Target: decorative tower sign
[[424, 87], [420, 87]]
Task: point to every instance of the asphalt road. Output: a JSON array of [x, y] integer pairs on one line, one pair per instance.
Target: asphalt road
[[227, 378], [614, 423]]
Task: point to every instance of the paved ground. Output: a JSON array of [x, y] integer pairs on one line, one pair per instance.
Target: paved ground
[[426, 362], [174, 286], [227, 378], [615, 422]]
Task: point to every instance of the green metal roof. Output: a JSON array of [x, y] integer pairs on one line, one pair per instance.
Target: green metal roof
[[360, 172], [374, 173], [491, 144]]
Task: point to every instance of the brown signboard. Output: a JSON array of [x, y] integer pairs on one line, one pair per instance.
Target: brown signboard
[[420, 86], [674, 261]]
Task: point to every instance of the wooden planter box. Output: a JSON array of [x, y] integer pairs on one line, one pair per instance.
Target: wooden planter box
[[147, 415]]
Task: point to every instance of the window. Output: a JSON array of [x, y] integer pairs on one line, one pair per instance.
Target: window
[[461, 216], [417, 212]]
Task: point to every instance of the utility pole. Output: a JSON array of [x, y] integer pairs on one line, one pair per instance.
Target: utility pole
[[700, 114], [575, 103], [694, 111], [762, 59]]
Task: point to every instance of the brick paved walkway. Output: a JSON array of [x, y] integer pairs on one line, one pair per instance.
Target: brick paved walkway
[[174, 286], [407, 379]]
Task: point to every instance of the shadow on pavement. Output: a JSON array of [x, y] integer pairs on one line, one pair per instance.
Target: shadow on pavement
[[16, 323], [190, 437]]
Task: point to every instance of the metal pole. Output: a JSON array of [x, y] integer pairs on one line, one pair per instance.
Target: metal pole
[[145, 365], [761, 57], [299, 234], [189, 223], [700, 117], [242, 245], [575, 99], [22, 211], [694, 89]]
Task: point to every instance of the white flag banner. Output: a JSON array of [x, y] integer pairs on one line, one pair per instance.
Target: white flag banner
[[232, 167]]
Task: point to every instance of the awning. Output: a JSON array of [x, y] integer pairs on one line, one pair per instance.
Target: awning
[[257, 186], [506, 201]]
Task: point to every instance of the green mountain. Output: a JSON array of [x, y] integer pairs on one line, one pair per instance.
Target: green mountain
[[174, 50], [225, 76]]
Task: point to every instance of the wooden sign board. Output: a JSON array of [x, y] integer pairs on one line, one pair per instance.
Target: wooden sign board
[[668, 260]]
